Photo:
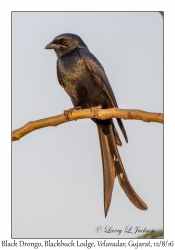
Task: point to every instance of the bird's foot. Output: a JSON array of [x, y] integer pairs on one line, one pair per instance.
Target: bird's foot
[[66, 112], [95, 110]]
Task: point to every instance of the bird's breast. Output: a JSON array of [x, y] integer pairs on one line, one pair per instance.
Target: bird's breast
[[71, 68], [78, 82], [74, 77]]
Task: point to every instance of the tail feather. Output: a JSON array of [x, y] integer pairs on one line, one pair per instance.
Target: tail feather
[[112, 167], [108, 167]]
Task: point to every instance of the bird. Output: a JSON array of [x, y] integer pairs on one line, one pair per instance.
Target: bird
[[84, 79]]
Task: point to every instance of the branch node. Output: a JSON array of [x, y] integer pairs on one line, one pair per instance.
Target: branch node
[[129, 115]]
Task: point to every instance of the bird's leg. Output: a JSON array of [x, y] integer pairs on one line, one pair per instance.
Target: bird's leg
[[66, 112], [95, 110]]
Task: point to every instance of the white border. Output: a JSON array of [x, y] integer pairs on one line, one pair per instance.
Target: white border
[[5, 93]]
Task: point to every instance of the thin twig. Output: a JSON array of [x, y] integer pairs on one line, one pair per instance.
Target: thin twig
[[102, 114]]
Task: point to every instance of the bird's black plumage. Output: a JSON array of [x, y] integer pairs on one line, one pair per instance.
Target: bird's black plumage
[[84, 79]]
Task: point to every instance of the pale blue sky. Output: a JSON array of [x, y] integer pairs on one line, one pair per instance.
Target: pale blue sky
[[57, 172]]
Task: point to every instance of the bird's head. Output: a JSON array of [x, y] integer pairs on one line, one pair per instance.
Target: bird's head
[[66, 43]]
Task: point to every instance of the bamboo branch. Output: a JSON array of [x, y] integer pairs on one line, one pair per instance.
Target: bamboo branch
[[102, 114]]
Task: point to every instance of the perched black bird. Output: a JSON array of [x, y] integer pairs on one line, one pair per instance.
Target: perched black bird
[[84, 79]]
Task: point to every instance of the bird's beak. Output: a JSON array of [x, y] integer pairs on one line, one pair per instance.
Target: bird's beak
[[51, 46]]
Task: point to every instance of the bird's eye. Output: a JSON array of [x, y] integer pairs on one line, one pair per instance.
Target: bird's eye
[[64, 42]]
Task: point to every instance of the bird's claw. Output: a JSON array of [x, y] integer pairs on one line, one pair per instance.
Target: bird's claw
[[95, 110], [66, 112]]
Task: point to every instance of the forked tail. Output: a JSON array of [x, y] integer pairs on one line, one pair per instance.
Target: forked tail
[[112, 167]]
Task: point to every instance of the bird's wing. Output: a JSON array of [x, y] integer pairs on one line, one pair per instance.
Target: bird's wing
[[99, 76]]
